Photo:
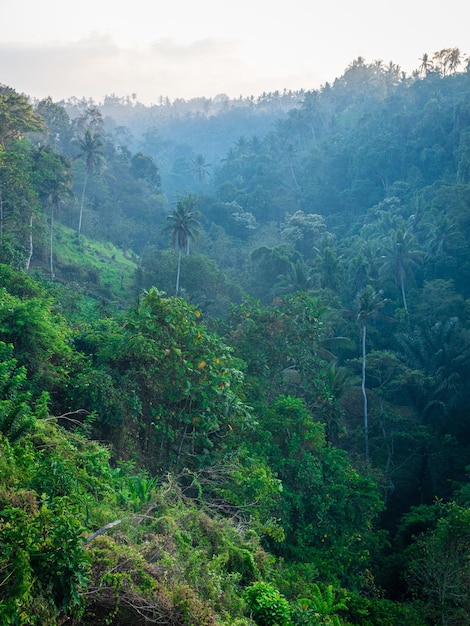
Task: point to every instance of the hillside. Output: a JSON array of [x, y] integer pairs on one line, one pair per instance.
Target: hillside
[[234, 353]]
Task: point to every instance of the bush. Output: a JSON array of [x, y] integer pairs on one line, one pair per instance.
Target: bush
[[267, 606]]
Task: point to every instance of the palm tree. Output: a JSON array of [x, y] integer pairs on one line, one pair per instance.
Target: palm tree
[[298, 277], [400, 257], [90, 149], [290, 155], [454, 59], [426, 65], [53, 183], [200, 168], [442, 235], [59, 188], [328, 264], [183, 227], [369, 304]]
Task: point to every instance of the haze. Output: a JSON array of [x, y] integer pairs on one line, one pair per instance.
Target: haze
[[185, 49]]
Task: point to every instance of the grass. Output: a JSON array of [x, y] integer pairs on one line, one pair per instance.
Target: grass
[[98, 269]]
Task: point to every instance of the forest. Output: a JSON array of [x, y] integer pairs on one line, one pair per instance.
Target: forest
[[235, 354]]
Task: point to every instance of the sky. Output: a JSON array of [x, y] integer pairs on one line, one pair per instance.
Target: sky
[[202, 48]]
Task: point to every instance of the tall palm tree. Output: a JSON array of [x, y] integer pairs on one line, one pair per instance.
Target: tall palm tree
[[200, 168], [290, 156], [442, 235], [426, 65], [183, 228], [454, 58], [400, 257], [90, 149], [369, 304], [55, 190]]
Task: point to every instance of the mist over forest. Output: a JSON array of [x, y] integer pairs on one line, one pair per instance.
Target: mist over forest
[[235, 353]]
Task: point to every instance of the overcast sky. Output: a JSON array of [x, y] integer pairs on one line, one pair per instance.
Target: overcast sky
[[191, 48]]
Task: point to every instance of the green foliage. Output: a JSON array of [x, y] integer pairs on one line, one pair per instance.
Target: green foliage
[[16, 116], [16, 417], [328, 509], [437, 562], [42, 557], [19, 204], [186, 380], [321, 608], [202, 282], [254, 330], [378, 158], [53, 485], [267, 606], [40, 338], [370, 611]]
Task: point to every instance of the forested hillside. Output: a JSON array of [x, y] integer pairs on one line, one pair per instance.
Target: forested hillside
[[235, 353]]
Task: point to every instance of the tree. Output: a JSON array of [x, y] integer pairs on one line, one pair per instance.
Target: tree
[[326, 509], [55, 183], [426, 65], [19, 203], [437, 561], [90, 149], [180, 383], [17, 197], [144, 168], [58, 124], [447, 60], [328, 264], [400, 257], [304, 230], [183, 227], [16, 116], [298, 277], [369, 304], [200, 168]]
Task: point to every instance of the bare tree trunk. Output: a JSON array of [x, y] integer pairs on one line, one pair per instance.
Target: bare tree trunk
[[30, 252], [178, 273], [51, 243], [1, 216], [403, 295], [82, 202], [364, 394]]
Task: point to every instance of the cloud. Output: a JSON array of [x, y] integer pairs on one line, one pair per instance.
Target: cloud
[[98, 66]]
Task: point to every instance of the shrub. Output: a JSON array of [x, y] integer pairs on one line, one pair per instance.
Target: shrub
[[267, 606]]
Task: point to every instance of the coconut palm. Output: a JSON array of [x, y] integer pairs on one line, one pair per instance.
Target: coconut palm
[[400, 257], [369, 304], [442, 352], [298, 277], [426, 65], [442, 235], [183, 227], [55, 188], [53, 183], [328, 264], [200, 168], [90, 149], [454, 59]]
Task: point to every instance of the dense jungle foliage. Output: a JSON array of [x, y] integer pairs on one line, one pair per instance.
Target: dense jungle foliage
[[235, 354]]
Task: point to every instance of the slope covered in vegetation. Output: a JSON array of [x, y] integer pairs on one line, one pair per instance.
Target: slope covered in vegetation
[[285, 442]]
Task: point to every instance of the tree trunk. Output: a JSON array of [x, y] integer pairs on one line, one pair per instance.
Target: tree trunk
[[403, 295], [82, 203], [364, 394], [178, 273], [1, 216], [51, 243], [30, 253]]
